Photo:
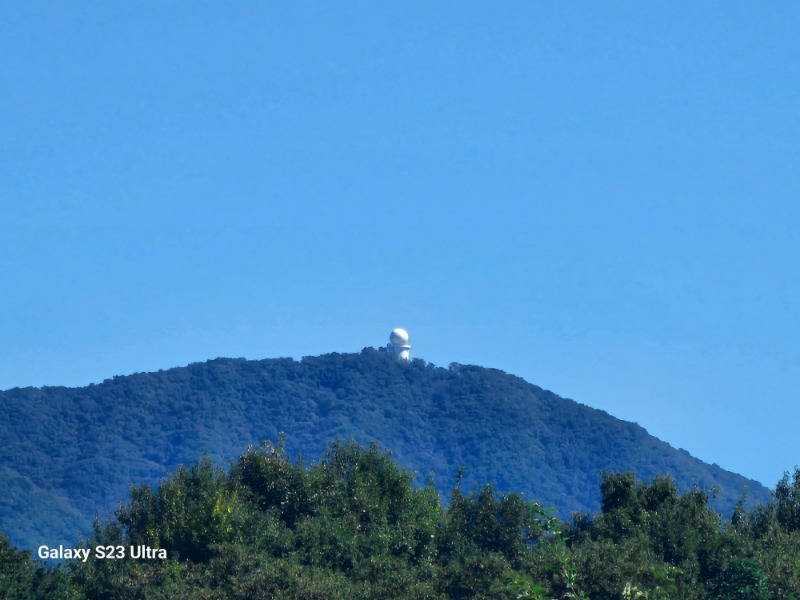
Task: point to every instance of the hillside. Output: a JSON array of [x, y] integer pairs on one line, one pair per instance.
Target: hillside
[[79, 449]]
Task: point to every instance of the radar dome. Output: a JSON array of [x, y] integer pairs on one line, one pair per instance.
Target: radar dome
[[399, 337]]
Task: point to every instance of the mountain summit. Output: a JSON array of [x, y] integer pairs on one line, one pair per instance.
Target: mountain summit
[[69, 453]]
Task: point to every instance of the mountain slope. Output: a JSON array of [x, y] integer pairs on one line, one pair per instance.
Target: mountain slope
[[85, 446]]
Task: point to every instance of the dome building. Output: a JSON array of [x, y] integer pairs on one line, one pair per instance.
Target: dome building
[[398, 343]]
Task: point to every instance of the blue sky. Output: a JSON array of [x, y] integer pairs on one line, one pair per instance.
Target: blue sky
[[600, 198]]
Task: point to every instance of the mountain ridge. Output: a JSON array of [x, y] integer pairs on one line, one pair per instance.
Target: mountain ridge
[[86, 445]]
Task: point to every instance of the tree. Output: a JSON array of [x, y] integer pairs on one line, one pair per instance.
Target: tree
[[743, 579]]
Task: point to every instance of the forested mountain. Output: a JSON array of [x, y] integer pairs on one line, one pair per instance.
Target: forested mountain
[[68, 453]]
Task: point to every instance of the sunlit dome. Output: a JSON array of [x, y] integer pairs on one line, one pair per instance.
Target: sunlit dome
[[399, 337]]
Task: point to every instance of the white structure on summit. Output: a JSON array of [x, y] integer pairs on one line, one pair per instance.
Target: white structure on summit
[[398, 343]]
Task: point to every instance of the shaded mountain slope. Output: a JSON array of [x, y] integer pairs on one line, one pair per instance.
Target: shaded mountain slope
[[85, 446]]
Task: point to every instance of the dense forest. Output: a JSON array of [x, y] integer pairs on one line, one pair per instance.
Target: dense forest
[[352, 525], [69, 453]]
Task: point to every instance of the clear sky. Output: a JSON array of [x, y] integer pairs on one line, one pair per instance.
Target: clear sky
[[602, 198]]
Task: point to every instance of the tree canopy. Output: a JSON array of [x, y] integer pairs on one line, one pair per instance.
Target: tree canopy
[[354, 525]]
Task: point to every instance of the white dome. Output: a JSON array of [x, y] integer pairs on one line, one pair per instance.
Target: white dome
[[399, 337]]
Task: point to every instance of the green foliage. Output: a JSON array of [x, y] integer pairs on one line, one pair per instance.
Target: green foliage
[[354, 525], [786, 503], [649, 539], [770, 534], [273, 483], [485, 545], [191, 512], [742, 579], [23, 579], [16, 570], [58, 443], [350, 526]]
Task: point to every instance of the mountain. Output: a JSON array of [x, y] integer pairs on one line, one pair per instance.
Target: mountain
[[71, 453]]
